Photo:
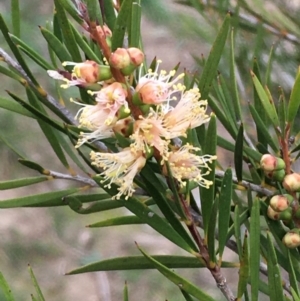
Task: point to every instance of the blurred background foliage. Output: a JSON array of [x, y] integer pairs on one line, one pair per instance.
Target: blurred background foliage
[[54, 240]]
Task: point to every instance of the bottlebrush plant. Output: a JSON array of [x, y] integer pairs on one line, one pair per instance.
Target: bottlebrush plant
[[152, 141]]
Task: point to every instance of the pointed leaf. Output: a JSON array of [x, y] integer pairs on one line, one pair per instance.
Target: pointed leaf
[[140, 262], [274, 276], [36, 199], [15, 17], [244, 269], [23, 182], [94, 11], [118, 221], [31, 53], [211, 65], [178, 280], [121, 25], [135, 25], [36, 285], [211, 232], [224, 210], [67, 32], [262, 128], [235, 96], [238, 153], [125, 293], [109, 13], [255, 231], [266, 101], [16, 51], [56, 45], [294, 101], [292, 274], [14, 107], [6, 289]]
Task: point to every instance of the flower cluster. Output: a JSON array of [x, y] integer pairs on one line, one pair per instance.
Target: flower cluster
[[150, 115]]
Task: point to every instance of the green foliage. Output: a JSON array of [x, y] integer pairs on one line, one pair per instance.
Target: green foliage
[[232, 211]]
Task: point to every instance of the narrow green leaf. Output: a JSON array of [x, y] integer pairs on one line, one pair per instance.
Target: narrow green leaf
[[177, 200], [224, 210], [16, 51], [238, 153], [235, 96], [186, 296], [208, 195], [141, 263], [14, 107], [294, 294], [31, 53], [121, 25], [210, 69], [237, 231], [89, 53], [294, 101], [11, 146], [155, 190], [269, 65], [56, 45], [255, 230], [32, 165], [72, 10], [274, 276], [33, 298], [135, 25], [94, 11], [12, 74], [22, 182], [15, 17], [211, 231], [244, 269], [213, 104], [118, 221], [109, 13], [125, 293], [262, 128], [178, 280], [67, 32], [6, 289], [266, 101], [292, 274], [47, 130], [282, 112], [36, 198], [36, 285]]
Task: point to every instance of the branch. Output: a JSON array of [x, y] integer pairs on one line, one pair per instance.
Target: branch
[[58, 175], [247, 185]]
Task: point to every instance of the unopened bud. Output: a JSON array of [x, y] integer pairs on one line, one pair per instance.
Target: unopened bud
[[120, 58], [270, 163], [291, 182], [126, 60], [281, 202], [90, 72], [276, 175], [285, 215], [123, 112], [136, 56], [292, 239]]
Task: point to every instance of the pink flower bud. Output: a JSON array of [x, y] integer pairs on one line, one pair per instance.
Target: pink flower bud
[[103, 32], [136, 56], [270, 163], [120, 58], [291, 182], [292, 239], [87, 71], [281, 202]]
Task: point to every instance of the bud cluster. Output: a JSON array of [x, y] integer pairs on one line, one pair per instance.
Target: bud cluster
[[148, 110], [279, 207]]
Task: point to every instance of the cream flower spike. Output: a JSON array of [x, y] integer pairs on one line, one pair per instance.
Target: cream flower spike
[[119, 168], [188, 166]]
